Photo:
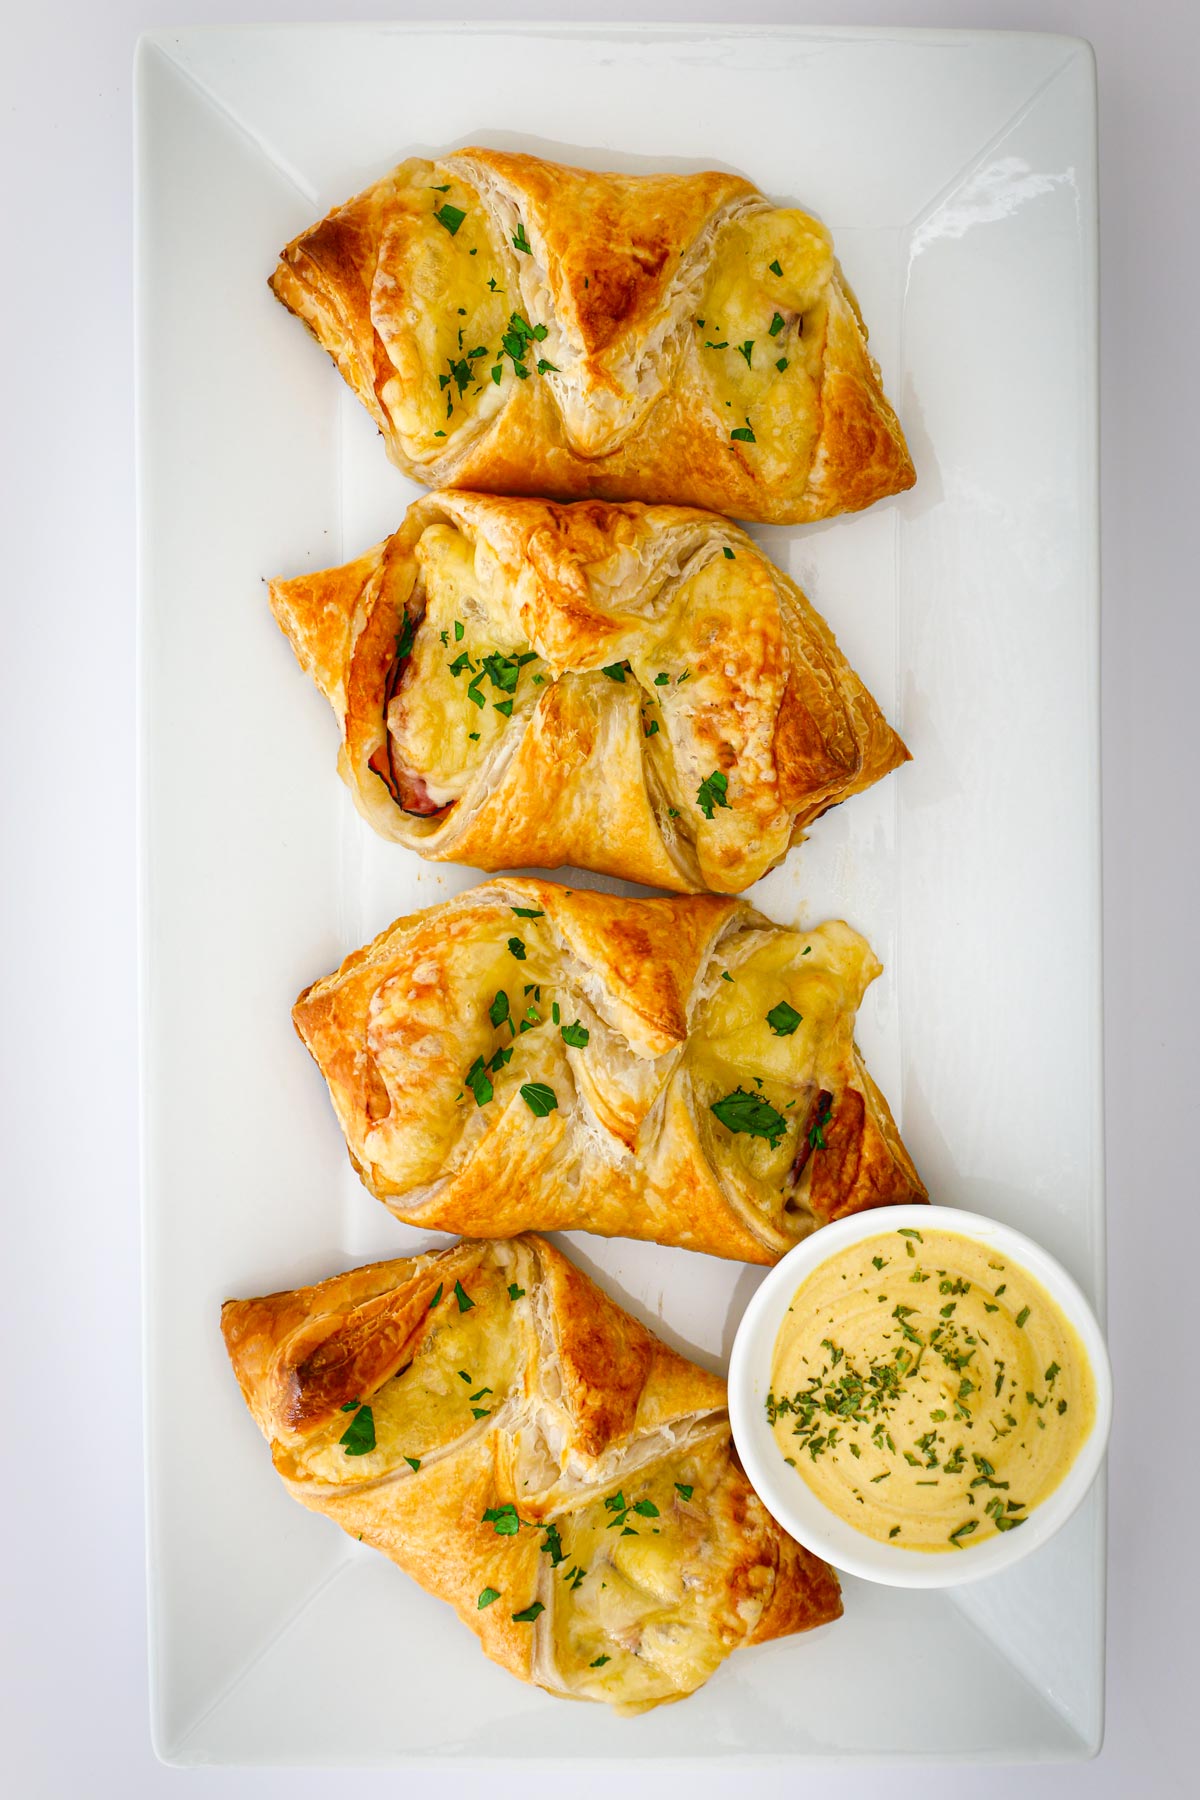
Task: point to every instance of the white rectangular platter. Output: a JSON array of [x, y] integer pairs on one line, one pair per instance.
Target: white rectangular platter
[[957, 172]]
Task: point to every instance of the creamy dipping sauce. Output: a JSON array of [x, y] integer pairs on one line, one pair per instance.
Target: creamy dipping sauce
[[928, 1390]]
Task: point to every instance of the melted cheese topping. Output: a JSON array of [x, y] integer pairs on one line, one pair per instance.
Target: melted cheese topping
[[443, 1015], [973, 1392], [439, 307], [720, 646], [742, 355], [633, 1619], [819, 975], [463, 1366], [460, 690]]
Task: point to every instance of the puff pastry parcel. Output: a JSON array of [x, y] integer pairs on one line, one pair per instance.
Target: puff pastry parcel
[[518, 326], [528, 1057], [527, 1451], [626, 688]]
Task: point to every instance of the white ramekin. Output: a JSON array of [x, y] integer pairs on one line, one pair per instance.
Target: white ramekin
[[788, 1497]]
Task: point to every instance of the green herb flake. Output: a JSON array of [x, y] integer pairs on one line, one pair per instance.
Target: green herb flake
[[521, 242], [414, 1462], [529, 1614], [746, 350], [503, 1520], [358, 1439], [539, 1098], [487, 1596], [712, 792], [743, 434], [775, 268], [750, 1113], [599, 1662], [1021, 1317], [782, 364], [783, 1019], [477, 1080], [465, 1303], [964, 1530], [517, 948], [437, 1298], [684, 1489], [576, 1035], [449, 216]]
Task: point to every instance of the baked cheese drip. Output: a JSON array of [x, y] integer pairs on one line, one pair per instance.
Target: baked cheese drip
[[440, 313], [497, 1426], [928, 1390], [779, 1015], [760, 336]]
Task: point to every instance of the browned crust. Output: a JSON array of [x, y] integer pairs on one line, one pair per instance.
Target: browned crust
[[577, 789], [625, 237]]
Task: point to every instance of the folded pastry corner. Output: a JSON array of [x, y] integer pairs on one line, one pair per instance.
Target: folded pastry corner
[[524, 1449], [528, 1057], [631, 689], [523, 327]]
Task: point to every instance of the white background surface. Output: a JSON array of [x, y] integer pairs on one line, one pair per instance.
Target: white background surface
[[72, 1685]]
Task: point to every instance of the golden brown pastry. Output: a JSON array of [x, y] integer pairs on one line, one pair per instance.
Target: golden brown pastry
[[521, 327], [524, 1449], [529, 1057], [626, 688]]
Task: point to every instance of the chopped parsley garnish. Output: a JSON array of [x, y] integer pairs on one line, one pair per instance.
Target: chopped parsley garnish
[[775, 268], [662, 679], [599, 1662], [745, 350], [436, 1301], [503, 1520], [783, 1019], [498, 1010], [487, 1596], [1021, 1317], [744, 434], [521, 242], [684, 1488], [614, 671], [750, 1113], [358, 1439], [449, 216], [546, 368], [711, 792], [477, 1081], [963, 1531], [465, 1303], [782, 364], [414, 1462], [515, 1292], [650, 729], [517, 948], [528, 912], [552, 1546], [728, 552], [539, 1098], [576, 1035], [529, 1614], [776, 325]]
